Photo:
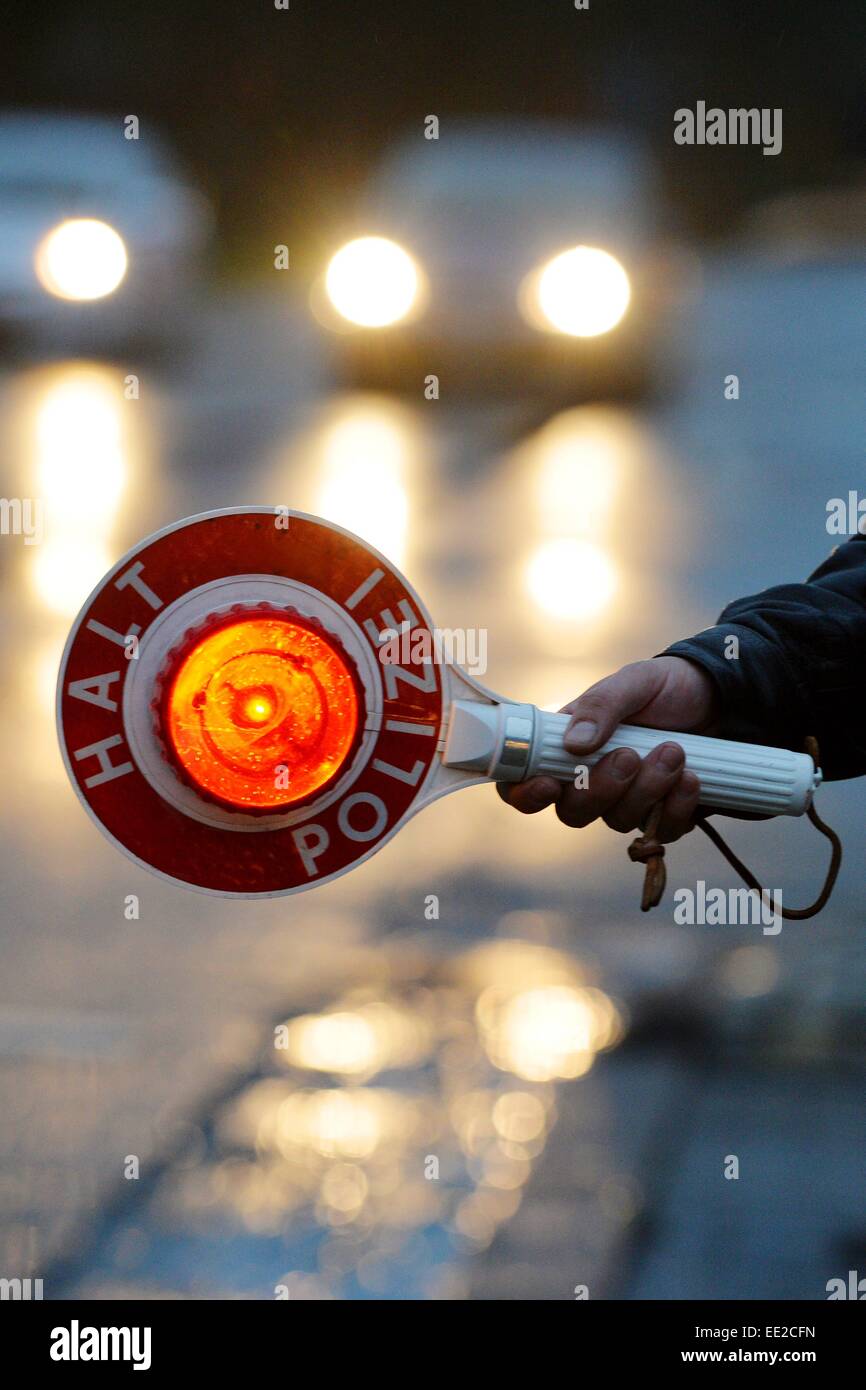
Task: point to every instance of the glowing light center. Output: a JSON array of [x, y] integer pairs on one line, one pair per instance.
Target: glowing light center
[[583, 292], [259, 709], [372, 282], [82, 258], [262, 713]]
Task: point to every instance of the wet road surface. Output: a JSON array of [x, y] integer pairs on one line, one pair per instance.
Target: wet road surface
[[578, 539]]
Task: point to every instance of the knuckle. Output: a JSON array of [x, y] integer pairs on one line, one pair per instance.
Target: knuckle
[[675, 828], [593, 705], [657, 780], [534, 795], [513, 796], [630, 812], [575, 811]]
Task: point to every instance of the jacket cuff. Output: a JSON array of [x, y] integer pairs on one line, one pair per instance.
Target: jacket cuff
[[750, 674]]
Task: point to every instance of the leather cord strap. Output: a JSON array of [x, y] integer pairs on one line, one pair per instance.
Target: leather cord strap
[[648, 850]]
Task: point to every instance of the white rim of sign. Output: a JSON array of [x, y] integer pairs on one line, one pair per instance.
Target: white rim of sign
[[220, 596]]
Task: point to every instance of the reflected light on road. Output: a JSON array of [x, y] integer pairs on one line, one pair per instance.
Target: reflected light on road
[[348, 1124], [66, 569], [39, 654], [519, 1116], [363, 459], [542, 1034], [80, 467], [577, 463], [479, 1215], [42, 675], [356, 1043], [342, 1043], [570, 579], [443, 1156], [747, 972], [574, 489], [344, 1192], [80, 471], [71, 449]]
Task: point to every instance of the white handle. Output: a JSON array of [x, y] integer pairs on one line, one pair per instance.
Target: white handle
[[509, 743]]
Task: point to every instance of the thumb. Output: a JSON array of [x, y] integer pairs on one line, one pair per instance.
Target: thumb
[[596, 713]]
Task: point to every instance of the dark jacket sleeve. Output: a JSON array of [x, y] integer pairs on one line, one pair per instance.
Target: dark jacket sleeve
[[799, 664]]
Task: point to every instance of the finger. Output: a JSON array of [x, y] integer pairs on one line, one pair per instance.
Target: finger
[[596, 713], [608, 781], [531, 796], [680, 808], [659, 772]]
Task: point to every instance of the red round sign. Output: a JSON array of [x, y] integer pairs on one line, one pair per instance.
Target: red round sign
[[108, 700]]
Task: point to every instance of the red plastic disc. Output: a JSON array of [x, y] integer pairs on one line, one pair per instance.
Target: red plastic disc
[[322, 840]]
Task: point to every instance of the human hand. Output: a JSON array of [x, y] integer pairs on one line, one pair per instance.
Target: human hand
[[666, 692]]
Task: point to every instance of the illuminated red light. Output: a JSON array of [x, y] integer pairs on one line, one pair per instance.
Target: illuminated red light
[[262, 712]]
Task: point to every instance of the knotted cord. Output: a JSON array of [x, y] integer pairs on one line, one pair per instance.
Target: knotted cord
[[647, 849]]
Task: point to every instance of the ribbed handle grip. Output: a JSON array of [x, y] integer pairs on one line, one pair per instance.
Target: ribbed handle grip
[[733, 776]]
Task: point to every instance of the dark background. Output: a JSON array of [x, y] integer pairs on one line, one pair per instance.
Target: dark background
[[280, 114]]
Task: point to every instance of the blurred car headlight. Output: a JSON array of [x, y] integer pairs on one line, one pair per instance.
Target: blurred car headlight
[[582, 292], [372, 282], [82, 258]]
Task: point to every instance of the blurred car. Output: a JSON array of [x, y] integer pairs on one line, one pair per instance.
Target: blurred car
[[101, 240], [810, 226], [505, 251]]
